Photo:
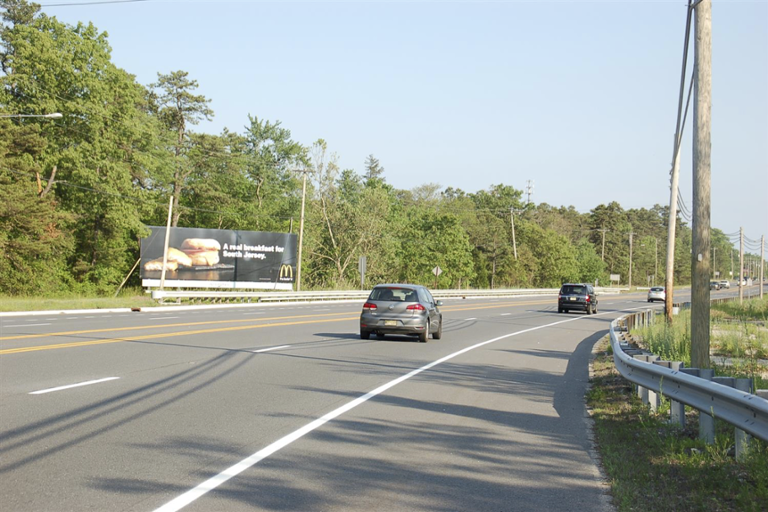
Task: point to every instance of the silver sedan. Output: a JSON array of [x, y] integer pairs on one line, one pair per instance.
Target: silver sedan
[[657, 293], [401, 309]]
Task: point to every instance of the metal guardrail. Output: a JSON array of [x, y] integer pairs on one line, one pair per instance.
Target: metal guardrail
[[267, 296], [742, 409]]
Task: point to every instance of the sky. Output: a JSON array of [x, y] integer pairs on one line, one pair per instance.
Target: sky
[[579, 98]]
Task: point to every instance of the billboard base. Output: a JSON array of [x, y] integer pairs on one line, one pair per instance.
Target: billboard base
[[231, 285]]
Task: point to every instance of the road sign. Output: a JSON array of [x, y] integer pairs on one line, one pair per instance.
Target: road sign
[[437, 271]]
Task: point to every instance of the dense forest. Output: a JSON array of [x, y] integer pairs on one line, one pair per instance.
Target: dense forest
[[78, 191]]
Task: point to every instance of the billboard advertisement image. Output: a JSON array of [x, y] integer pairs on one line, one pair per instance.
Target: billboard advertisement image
[[219, 258]]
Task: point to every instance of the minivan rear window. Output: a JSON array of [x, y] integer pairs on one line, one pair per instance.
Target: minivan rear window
[[573, 290], [394, 294]]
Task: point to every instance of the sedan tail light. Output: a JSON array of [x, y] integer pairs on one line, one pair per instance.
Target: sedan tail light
[[587, 298], [369, 306], [416, 307]]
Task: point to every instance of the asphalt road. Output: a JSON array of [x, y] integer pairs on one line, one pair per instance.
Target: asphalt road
[[283, 407]]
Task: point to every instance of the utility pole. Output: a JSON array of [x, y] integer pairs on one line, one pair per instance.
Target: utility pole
[[731, 261], [762, 264], [630, 260], [656, 261], [741, 264], [669, 278], [301, 227], [714, 262], [603, 231], [514, 244], [702, 149]]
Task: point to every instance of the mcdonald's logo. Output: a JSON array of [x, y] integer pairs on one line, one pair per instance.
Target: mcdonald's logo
[[286, 272]]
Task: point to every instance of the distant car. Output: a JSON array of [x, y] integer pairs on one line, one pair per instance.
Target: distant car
[[579, 296], [714, 285], [657, 293], [725, 284], [401, 309]]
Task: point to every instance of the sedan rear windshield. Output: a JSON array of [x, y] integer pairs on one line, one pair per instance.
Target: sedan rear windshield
[[657, 289], [574, 290], [394, 294]]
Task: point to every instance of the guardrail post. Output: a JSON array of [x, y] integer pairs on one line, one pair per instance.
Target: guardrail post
[[742, 438], [648, 396], [676, 409], [706, 420]]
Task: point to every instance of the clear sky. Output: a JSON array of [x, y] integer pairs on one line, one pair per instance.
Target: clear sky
[[579, 97]]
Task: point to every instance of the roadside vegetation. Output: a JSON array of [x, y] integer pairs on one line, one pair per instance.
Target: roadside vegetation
[[654, 466], [738, 339], [80, 191], [130, 298]]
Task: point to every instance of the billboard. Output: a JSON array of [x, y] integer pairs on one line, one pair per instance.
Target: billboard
[[219, 258]]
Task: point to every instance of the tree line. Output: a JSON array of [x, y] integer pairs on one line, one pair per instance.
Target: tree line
[[78, 192]]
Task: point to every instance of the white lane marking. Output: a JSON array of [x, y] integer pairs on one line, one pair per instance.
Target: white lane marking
[[255, 313], [24, 325], [468, 319], [268, 349], [505, 314], [212, 483], [88, 383], [161, 317]]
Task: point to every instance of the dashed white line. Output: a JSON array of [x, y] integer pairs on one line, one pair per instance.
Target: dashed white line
[[505, 314], [24, 325], [60, 388], [270, 348], [162, 317], [468, 319]]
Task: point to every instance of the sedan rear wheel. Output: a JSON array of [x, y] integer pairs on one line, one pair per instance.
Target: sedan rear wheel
[[364, 335], [424, 335], [439, 333]]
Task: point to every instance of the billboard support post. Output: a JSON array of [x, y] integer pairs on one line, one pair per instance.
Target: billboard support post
[[165, 245]]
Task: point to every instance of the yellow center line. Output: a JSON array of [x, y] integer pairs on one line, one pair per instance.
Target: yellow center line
[[315, 319], [162, 326], [165, 335]]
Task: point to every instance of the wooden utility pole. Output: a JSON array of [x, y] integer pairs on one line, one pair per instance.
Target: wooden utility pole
[[762, 264], [630, 260], [669, 275], [603, 231], [702, 149], [514, 244], [741, 264], [301, 228]]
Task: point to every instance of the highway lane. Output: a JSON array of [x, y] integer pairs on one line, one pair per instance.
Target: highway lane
[[497, 425]]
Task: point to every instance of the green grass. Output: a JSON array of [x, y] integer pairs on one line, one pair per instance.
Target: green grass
[[130, 298], [738, 333], [654, 466]]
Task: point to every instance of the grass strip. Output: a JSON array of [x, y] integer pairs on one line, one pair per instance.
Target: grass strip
[[654, 466]]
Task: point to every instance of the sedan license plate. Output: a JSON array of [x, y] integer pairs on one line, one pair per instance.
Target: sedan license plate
[[571, 298], [390, 322]]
